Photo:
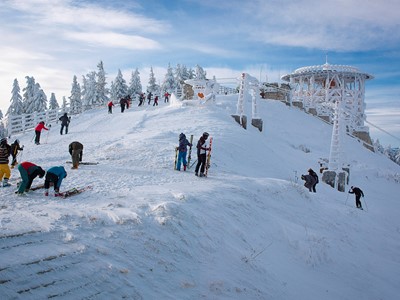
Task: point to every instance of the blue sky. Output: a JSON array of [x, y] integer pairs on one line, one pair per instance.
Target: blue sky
[[53, 40]]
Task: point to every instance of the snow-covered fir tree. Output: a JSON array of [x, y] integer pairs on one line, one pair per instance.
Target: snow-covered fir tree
[[113, 93], [120, 88], [200, 74], [76, 97], [135, 86], [64, 103], [169, 84], [101, 90], [3, 132], [53, 104], [89, 87], [152, 86], [16, 107], [191, 73], [37, 102], [28, 95], [377, 146]]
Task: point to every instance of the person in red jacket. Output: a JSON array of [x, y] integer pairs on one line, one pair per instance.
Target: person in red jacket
[[38, 130], [28, 172], [110, 105]]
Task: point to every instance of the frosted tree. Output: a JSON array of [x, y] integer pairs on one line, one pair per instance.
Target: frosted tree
[[191, 74], [378, 147], [397, 156], [53, 104], [75, 99], [120, 89], [28, 95], [37, 102], [152, 86], [113, 92], [135, 87], [89, 86], [16, 106], [101, 90], [200, 74], [65, 103], [3, 132], [168, 84]]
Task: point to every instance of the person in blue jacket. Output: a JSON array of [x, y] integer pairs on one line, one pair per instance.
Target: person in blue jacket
[[183, 143], [54, 175]]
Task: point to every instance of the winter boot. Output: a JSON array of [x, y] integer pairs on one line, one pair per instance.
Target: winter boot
[[197, 174], [46, 192], [184, 167], [56, 193], [202, 175], [5, 182]]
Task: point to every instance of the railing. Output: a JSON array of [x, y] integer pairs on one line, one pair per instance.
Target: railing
[[21, 123]]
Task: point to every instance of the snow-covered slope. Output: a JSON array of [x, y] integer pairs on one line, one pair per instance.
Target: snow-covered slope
[[248, 231]]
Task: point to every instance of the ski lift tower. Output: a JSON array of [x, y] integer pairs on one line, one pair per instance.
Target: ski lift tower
[[248, 85]]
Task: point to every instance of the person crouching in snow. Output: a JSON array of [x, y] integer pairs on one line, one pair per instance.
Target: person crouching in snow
[[309, 181], [76, 151], [54, 175], [183, 143], [28, 172]]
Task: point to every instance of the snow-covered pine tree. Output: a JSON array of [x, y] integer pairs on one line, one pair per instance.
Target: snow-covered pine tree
[[120, 88], [53, 104], [28, 95], [168, 84], [3, 132], [38, 101], [64, 104], [113, 93], [153, 87], [200, 74], [135, 87], [16, 107], [191, 73], [101, 90], [89, 87], [75, 99]]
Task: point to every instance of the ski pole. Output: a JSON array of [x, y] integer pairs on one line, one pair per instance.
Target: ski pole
[[347, 198], [366, 206]]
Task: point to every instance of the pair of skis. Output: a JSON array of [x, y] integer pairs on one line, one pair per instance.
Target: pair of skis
[[189, 156], [67, 193]]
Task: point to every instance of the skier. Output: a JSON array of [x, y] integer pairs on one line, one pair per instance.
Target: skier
[[122, 103], [28, 172], [76, 151], [155, 101], [359, 193], [54, 175], [309, 181], [149, 97], [15, 147], [201, 154], [166, 97], [110, 105], [313, 174], [65, 120], [183, 143], [5, 172], [128, 101], [38, 131]]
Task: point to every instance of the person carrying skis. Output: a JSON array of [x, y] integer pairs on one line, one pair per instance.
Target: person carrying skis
[[38, 130], [359, 193], [313, 174], [309, 181], [28, 172], [5, 172], [76, 151], [183, 143], [110, 105], [65, 120], [54, 175], [202, 149], [15, 147]]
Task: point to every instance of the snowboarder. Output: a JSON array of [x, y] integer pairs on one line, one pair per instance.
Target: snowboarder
[[110, 105], [38, 130], [313, 174], [28, 172], [65, 120], [76, 151], [309, 181], [15, 147], [54, 175], [183, 143], [5, 172], [202, 149], [359, 193]]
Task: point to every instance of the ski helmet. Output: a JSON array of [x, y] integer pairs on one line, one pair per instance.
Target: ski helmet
[[205, 134], [17, 141]]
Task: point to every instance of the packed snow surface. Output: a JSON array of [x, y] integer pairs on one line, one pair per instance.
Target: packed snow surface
[[250, 230]]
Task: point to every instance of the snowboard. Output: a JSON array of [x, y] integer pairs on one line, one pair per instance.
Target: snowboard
[[208, 161]]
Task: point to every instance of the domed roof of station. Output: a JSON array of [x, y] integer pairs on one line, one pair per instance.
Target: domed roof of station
[[326, 69]]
